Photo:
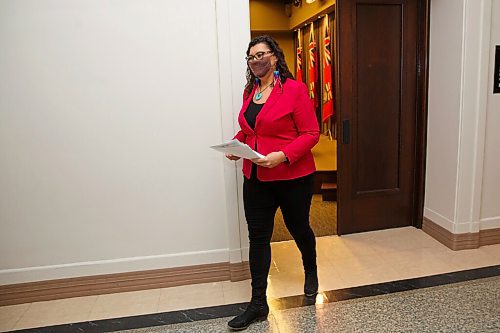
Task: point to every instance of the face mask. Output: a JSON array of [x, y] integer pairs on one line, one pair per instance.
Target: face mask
[[260, 67]]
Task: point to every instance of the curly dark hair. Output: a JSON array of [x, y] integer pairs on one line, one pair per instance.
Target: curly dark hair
[[281, 65]]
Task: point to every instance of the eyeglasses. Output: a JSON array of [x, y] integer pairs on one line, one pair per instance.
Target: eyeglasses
[[257, 56]]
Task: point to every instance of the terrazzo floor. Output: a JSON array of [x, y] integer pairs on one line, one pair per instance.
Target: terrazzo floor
[[472, 306]]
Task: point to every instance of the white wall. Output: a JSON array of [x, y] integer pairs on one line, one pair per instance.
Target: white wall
[[106, 112], [233, 23], [445, 48], [459, 160], [490, 206]]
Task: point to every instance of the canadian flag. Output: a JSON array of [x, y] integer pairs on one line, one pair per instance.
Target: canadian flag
[[312, 67], [327, 76]]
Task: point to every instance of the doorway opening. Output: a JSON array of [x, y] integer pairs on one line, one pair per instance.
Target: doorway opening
[[309, 54], [369, 89]]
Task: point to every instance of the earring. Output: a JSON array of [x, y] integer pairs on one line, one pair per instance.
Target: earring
[[257, 81], [277, 78]]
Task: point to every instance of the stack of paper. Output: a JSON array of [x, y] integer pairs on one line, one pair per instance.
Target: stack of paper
[[234, 147]]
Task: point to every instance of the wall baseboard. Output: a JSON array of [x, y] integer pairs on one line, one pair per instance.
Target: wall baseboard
[[489, 237], [121, 282], [239, 271], [463, 241]]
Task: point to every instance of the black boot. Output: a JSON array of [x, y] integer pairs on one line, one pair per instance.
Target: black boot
[[311, 284], [257, 310]]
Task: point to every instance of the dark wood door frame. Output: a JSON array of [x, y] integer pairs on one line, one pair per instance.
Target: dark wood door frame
[[421, 107], [422, 95]]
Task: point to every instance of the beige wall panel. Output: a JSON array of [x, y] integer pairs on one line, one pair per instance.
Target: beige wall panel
[[268, 16], [306, 12]]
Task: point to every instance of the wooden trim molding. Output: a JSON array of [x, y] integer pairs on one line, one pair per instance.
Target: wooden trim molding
[[121, 282], [489, 237], [422, 110], [239, 271], [465, 241]]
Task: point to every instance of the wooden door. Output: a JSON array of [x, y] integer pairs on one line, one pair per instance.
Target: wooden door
[[377, 93]]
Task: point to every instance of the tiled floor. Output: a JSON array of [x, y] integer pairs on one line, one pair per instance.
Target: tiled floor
[[346, 261]]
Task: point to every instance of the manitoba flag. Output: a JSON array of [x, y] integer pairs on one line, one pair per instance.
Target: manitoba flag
[[298, 74], [327, 76], [312, 67]]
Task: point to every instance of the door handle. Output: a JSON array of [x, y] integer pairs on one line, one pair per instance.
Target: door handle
[[346, 131]]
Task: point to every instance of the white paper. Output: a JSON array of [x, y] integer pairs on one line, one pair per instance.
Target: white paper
[[236, 148]]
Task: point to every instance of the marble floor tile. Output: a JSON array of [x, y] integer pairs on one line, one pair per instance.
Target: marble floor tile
[[336, 248], [423, 262], [329, 278], [418, 240], [48, 313], [491, 250], [191, 296], [361, 279], [236, 292], [285, 255], [125, 304], [284, 285], [10, 315], [474, 258]]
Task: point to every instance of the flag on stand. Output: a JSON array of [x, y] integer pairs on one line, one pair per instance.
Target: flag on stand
[[327, 76], [312, 67], [298, 74]]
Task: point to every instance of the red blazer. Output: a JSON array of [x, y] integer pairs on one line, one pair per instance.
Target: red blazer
[[286, 122]]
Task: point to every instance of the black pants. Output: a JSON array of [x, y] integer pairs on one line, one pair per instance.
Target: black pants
[[261, 200]]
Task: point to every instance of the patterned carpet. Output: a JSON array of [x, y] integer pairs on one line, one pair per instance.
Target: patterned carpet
[[323, 220]]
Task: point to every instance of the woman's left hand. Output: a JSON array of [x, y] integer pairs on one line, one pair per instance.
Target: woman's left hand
[[271, 160]]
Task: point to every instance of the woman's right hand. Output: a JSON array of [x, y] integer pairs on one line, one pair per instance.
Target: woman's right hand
[[232, 157]]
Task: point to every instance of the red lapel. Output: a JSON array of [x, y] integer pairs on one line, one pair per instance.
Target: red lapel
[[273, 98]]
